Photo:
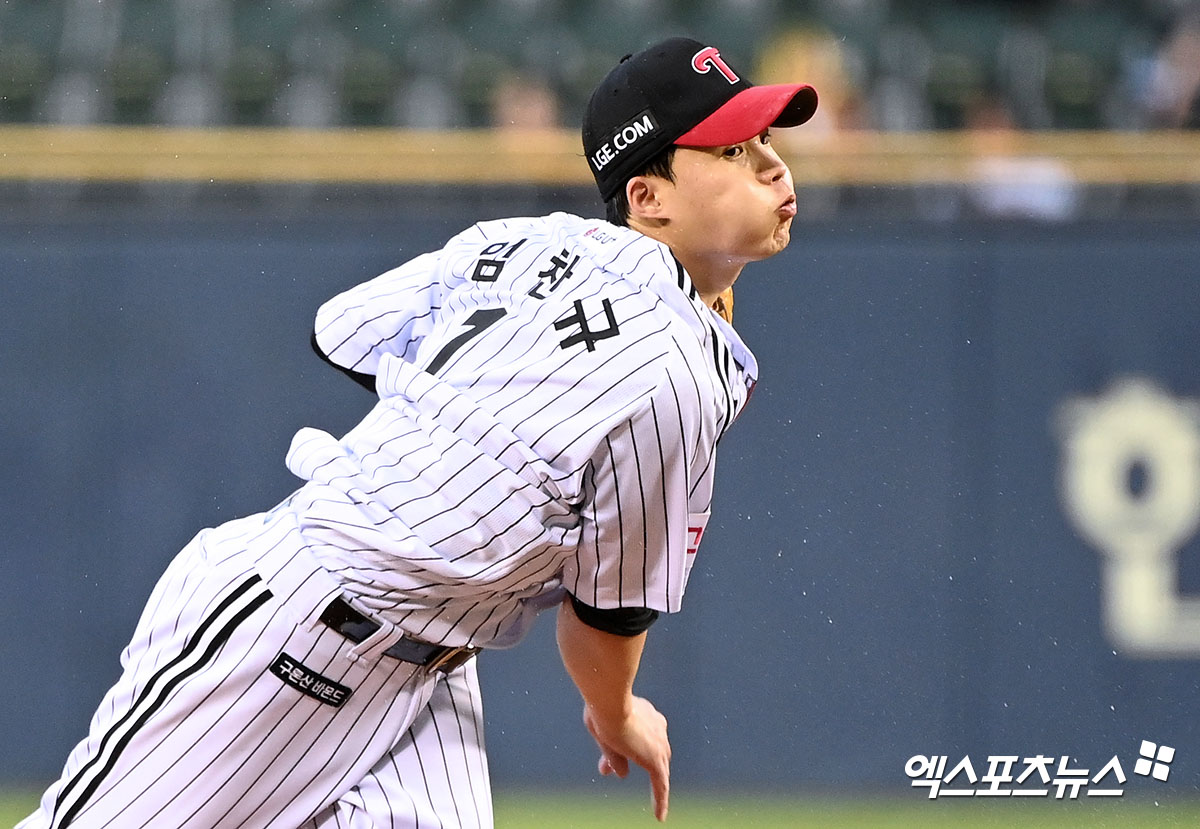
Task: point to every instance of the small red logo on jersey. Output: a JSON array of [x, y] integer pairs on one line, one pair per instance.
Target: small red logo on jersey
[[694, 536], [709, 58]]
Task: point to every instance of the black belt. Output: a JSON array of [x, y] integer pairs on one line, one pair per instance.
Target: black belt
[[356, 627]]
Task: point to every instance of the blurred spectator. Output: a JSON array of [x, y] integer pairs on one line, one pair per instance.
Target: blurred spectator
[[426, 102], [1006, 183], [1175, 83], [816, 56], [524, 103], [897, 98]]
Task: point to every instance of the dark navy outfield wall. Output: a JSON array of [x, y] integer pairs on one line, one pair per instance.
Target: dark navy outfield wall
[[890, 569]]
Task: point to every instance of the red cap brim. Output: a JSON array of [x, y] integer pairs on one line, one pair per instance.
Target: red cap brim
[[751, 111]]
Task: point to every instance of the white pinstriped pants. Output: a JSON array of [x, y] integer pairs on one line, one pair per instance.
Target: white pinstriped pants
[[201, 732]]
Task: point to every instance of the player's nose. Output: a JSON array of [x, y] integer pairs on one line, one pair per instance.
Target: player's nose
[[771, 167]]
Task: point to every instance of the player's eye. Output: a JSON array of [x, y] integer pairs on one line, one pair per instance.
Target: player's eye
[[765, 138], [733, 151]]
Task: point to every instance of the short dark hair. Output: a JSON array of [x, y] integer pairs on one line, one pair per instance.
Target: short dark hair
[[616, 209]]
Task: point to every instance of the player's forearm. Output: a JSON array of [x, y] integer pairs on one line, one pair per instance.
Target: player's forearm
[[602, 665]]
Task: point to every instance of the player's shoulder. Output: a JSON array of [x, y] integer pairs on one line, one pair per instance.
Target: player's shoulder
[[565, 257], [603, 243], [547, 226]]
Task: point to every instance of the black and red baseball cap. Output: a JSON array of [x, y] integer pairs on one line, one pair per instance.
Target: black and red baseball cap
[[682, 92]]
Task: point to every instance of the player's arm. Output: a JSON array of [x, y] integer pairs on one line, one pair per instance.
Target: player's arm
[[627, 728], [631, 563], [386, 315]]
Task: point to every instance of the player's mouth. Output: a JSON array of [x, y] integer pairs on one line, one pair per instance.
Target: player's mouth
[[787, 210]]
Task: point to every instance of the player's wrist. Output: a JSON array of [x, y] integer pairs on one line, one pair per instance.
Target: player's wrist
[[610, 716]]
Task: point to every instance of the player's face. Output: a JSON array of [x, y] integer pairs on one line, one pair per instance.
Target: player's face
[[730, 205]]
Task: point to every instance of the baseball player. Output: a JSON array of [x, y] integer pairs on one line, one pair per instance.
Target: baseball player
[[551, 393]]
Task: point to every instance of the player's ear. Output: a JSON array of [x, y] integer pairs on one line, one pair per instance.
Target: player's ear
[[645, 198]]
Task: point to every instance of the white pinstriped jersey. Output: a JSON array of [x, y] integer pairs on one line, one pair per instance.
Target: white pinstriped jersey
[[551, 394]]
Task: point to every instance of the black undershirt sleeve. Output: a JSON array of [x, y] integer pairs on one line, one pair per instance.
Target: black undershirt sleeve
[[623, 621], [367, 381]]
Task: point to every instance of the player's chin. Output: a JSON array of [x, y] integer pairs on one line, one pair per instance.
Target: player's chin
[[767, 241], [781, 237]]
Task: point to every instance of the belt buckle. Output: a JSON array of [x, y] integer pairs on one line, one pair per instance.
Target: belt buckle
[[450, 658]]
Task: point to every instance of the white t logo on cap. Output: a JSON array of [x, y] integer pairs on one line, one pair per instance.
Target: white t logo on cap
[[709, 58]]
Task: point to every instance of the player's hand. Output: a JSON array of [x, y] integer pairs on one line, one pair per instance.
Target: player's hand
[[640, 737]]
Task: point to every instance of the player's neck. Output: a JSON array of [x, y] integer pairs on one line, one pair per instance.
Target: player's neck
[[711, 278], [711, 275]]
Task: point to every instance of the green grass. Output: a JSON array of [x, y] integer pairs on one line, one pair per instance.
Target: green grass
[[16, 805], [690, 810]]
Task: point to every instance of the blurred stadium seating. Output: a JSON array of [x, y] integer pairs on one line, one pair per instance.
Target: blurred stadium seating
[[890, 64]]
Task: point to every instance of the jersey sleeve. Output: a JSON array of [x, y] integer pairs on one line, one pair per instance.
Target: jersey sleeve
[[648, 506], [386, 315]]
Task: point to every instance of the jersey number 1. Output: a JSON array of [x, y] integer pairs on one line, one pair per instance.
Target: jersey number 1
[[477, 323]]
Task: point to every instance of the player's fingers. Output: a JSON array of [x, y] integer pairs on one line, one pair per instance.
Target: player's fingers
[[611, 762], [660, 791], [659, 769], [616, 763]]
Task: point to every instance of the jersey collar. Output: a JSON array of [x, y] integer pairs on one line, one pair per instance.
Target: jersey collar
[[640, 259]]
